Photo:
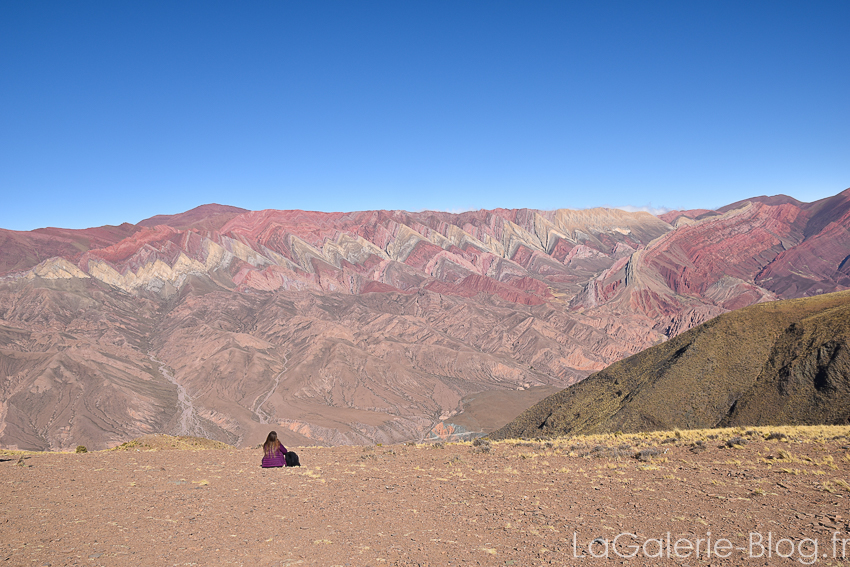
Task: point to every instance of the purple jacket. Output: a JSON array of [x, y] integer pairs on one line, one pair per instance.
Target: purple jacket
[[275, 460]]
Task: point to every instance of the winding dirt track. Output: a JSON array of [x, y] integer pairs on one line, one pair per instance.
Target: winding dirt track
[[518, 504]]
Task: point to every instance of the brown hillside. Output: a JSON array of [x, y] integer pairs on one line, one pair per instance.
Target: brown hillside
[[781, 362]]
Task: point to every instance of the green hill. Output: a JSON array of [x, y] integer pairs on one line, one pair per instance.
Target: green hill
[[779, 363]]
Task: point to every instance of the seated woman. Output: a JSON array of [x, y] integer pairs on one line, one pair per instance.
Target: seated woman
[[274, 454]]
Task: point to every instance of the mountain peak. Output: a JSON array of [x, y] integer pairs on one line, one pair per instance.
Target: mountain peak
[[211, 217]]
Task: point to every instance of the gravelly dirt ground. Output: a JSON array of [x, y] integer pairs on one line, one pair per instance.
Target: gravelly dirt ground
[[525, 503]]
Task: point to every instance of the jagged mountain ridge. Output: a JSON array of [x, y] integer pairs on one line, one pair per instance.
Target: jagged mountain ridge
[[380, 251], [355, 327]]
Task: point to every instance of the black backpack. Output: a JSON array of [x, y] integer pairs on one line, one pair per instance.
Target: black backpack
[[292, 459]]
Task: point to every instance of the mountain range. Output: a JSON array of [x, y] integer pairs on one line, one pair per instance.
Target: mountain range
[[373, 326]]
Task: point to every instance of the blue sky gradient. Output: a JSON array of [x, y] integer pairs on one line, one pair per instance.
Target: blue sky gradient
[[117, 111]]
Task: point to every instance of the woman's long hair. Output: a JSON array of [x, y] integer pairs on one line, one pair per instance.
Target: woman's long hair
[[271, 445]]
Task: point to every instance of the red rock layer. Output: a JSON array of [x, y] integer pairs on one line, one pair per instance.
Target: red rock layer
[[761, 249]]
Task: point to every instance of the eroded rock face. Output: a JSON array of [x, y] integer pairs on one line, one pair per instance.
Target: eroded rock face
[[368, 326], [757, 250]]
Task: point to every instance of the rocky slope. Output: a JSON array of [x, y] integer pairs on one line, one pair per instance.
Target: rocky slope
[[371, 326], [785, 362]]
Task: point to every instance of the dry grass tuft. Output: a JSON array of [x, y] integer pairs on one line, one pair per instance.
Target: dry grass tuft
[[786, 456], [602, 451], [162, 442], [621, 445]]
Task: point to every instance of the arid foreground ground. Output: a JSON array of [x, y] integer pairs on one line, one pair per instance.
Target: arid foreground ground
[[723, 497]]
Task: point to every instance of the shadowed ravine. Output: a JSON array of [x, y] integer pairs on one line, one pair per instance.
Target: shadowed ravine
[[188, 422], [261, 414]]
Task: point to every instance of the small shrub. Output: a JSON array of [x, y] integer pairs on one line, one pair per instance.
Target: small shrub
[[81, 449], [647, 454], [736, 442], [775, 435], [481, 445]]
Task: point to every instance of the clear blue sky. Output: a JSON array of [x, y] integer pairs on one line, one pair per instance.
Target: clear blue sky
[[116, 111]]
